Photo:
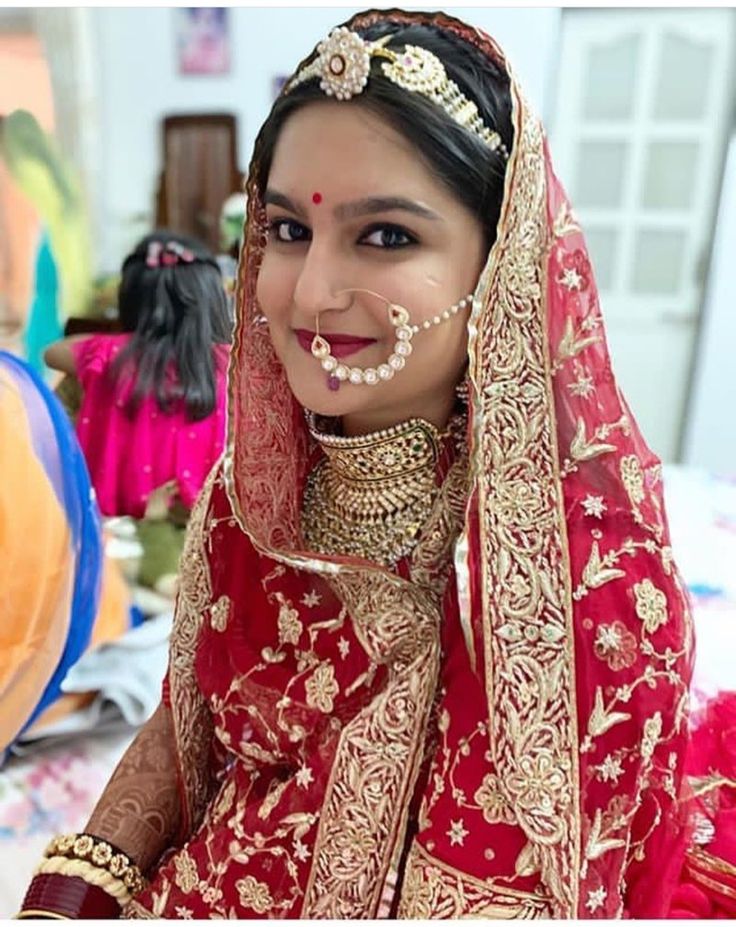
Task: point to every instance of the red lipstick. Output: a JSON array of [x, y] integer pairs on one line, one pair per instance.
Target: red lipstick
[[340, 345]]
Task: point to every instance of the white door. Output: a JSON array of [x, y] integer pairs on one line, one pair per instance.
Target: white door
[[642, 113]]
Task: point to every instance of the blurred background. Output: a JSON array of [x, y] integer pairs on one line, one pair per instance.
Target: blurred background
[[143, 117]]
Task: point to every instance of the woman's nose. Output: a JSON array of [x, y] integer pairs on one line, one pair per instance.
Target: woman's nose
[[318, 282]]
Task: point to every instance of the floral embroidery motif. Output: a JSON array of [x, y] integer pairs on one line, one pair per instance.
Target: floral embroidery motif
[[538, 782], [301, 851], [219, 613], [583, 386], [596, 899], [344, 647], [610, 770], [304, 777], [187, 877], [651, 605], [616, 645], [575, 273], [594, 505], [457, 833], [290, 628], [633, 479], [310, 599], [652, 733], [322, 687], [254, 894], [495, 808]]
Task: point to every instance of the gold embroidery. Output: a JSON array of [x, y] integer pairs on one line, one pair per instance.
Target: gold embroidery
[[583, 448], [495, 808], [633, 479], [601, 719], [433, 891], [573, 342], [193, 724], [365, 809], [321, 687], [219, 613], [651, 605], [254, 894], [598, 571], [565, 222], [187, 877], [530, 676], [616, 645], [290, 628]]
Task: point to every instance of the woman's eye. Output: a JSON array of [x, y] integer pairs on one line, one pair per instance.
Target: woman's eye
[[388, 236], [287, 230]]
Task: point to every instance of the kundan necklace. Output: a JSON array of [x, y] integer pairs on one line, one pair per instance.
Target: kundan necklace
[[371, 495]]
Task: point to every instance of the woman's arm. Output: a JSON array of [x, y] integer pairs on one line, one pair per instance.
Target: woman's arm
[[60, 356], [139, 811]]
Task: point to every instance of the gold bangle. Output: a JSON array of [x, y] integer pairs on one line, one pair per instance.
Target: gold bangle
[[101, 855]]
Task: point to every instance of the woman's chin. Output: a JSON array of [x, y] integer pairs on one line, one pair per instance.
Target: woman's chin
[[314, 394]]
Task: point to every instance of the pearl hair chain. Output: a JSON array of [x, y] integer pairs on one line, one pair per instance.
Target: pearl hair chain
[[399, 318]]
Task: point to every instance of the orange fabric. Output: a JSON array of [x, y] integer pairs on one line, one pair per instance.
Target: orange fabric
[[36, 570], [112, 621]]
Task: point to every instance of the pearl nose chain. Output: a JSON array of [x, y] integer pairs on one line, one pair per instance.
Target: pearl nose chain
[[338, 373]]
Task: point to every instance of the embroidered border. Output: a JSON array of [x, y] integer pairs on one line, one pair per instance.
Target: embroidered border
[[434, 890], [526, 602]]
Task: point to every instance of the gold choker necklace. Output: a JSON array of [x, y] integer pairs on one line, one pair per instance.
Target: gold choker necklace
[[371, 495]]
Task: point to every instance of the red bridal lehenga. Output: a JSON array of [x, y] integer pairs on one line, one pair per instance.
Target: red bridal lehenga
[[498, 727]]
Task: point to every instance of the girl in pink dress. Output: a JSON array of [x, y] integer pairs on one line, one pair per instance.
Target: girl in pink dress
[[153, 407]]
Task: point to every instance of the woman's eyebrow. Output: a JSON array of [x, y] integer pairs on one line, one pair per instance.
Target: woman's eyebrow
[[375, 204], [368, 206], [274, 198]]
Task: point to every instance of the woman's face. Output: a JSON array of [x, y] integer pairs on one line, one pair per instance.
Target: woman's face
[[351, 205]]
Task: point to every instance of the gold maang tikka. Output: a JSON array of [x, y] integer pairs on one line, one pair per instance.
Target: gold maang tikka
[[405, 331]]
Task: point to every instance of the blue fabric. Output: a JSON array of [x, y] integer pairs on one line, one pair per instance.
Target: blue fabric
[[58, 450], [43, 325]]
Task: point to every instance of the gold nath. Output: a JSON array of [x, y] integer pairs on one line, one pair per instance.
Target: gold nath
[[371, 495], [343, 64]]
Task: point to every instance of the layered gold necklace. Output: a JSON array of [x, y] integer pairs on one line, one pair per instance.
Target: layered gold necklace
[[371, 495]]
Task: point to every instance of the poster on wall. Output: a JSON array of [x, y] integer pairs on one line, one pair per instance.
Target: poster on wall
[[203, 39]]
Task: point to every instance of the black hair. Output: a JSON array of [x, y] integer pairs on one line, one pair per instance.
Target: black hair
[[172, 299], [457, 157]]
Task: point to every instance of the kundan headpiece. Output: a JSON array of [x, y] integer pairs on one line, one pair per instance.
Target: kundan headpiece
[[343, 65]]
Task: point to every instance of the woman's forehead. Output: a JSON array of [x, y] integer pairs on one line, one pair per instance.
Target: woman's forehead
[[332, 146]]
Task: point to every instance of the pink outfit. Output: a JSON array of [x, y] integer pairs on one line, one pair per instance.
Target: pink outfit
[[130, 457]]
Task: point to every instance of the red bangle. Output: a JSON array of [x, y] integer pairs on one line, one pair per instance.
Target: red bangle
[[68, 896]]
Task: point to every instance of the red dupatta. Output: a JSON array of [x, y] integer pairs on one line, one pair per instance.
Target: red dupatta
[[497, 732]]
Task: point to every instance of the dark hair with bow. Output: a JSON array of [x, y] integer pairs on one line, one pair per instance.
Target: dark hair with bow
[[172, 299]]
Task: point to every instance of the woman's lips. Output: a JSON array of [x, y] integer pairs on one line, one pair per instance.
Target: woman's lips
[[340, 345]]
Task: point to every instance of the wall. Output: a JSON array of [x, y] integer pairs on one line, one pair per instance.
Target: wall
[[139, 84], [710, 435]]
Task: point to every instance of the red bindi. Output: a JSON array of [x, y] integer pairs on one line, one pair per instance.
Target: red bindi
[[317, 198]]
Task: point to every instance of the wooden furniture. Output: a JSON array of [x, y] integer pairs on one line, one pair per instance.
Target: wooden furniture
[[200, 172]]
